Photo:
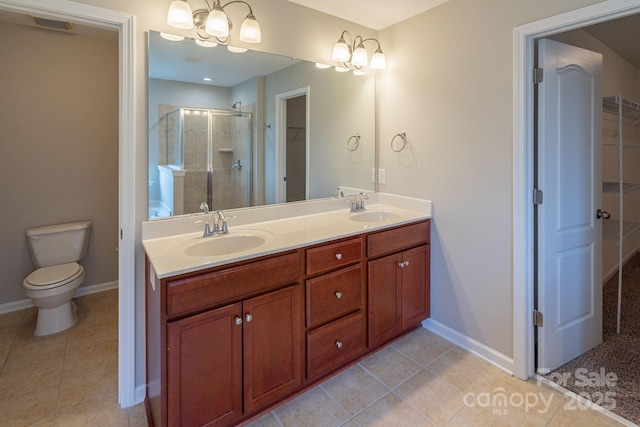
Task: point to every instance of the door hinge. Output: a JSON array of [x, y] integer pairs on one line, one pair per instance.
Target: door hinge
[[538, 75], [538, 318], [537, 196]]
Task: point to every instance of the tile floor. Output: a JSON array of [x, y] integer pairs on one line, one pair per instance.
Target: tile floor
[[70, 379], [67, 379]]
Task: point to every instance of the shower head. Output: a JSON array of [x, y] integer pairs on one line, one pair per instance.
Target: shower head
[[237, 105]]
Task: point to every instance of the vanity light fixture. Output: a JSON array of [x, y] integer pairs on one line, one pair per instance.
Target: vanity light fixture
[[353, 55], [212, 22]]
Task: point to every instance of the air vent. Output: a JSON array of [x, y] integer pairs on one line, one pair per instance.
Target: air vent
[[53, 24], [191, 58]]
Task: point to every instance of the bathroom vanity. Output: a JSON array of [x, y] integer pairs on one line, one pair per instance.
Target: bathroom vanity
[[230, 337]]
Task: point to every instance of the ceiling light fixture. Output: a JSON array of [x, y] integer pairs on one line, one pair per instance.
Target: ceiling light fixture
[[212, 22], [354, 55]]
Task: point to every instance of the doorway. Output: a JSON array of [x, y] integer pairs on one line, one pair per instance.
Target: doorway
[[523, 232], [125, 25], [292, 147]]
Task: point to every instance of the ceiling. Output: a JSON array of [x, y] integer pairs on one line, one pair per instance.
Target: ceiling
[[621, 35], [387, 12]]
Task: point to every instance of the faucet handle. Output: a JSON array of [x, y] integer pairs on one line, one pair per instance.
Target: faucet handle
[[204, 207]]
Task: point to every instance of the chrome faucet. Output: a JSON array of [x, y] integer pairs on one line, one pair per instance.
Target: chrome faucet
[[357, 203], [205, 207], [221, 217]]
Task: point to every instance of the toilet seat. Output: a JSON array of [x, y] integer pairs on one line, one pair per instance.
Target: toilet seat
[[53, 276]]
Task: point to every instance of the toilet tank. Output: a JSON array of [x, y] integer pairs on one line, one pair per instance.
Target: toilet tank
[[58, 244]]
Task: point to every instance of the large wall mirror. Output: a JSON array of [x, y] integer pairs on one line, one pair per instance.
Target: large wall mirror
[[247, 129]]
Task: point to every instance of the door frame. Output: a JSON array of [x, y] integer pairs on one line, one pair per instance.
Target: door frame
[[281, 143], [523, 164], [125, 25]]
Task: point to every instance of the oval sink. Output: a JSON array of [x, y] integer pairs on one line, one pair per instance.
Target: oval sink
[[373, 216], [224, 245]]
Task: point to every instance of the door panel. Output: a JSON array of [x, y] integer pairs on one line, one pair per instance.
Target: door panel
[[569, 271], [272, 341]]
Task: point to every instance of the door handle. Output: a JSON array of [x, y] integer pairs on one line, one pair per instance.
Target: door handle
[[602, 214]]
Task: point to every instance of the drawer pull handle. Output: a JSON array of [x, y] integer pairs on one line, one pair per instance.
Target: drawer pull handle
[[238, 320], [338, 295], [249, 317], [338, 256], [339, 344]]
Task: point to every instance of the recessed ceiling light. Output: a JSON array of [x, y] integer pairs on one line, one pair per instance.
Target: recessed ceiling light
[[208, 79], [172, 37], [205, 43], [236, 49]]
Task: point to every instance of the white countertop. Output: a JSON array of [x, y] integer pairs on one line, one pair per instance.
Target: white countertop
[[283, 227]]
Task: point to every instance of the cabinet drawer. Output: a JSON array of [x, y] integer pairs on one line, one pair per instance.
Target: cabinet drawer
[[231, 284], [332, 345], [397, 239], [333, 295], [332, 256]]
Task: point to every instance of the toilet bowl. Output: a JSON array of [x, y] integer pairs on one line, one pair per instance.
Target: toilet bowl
[[51, 290], [55, 250]]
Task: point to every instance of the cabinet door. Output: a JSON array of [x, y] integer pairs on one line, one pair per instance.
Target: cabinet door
[[272, 342], [204, 368], [414, 290], [384, 299]]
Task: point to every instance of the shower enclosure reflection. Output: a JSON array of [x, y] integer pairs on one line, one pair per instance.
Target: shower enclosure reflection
[[201, 152]]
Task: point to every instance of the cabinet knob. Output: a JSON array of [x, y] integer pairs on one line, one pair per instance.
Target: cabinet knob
[[401, 264], [338, 295], [339, 344], [249, 317], [406, 263], [338, 256], [238, 320]]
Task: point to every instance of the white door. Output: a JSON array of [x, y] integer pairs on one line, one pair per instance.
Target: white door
[[569, 267]]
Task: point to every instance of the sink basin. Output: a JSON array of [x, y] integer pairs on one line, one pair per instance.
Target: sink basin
[[223, 245], [373, 216]]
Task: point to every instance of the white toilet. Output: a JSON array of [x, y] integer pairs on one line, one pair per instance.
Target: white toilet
[[55, 250]]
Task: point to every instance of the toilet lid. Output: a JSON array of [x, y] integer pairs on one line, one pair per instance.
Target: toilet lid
[[46, 276]]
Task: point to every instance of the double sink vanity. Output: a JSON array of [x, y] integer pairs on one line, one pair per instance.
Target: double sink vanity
[[239, 322]]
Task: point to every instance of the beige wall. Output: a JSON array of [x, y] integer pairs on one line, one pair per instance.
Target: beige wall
[[449, 85], [59, 147]]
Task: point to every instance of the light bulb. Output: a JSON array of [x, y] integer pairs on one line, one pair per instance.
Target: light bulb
[[180, 15], [250, 30], [360, 56], [217, 23], [378, 61], [341, 51]]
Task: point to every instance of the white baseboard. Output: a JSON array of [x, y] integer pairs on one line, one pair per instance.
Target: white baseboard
[[140, 394], [82, 291], [483, 351]]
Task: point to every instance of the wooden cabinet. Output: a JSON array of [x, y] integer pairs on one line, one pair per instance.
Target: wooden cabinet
[[398, 284], [207, 352], [204, 362], [336, 325], [225, 343]]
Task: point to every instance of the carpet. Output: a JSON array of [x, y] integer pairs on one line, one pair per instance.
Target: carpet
[[609, 374]]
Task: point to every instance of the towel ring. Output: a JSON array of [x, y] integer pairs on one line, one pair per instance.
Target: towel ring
[[403, 136], [353, 146]]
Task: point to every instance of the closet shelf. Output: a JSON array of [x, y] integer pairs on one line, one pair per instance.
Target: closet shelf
[[611, 229], [614, 187], [630, 109]]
